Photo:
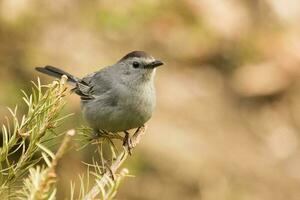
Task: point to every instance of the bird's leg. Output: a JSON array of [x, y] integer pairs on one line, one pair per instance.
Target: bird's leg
[[127, 142], [138, 129]]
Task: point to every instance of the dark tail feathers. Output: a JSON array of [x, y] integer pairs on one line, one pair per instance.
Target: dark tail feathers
[[58, 73]]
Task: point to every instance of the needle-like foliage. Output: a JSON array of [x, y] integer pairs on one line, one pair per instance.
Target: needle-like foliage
[[40, 185], [18, 152]]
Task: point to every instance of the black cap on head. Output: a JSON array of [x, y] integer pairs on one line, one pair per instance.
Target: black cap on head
[[136, 54]]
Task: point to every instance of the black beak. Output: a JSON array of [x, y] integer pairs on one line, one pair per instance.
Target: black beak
[[154, 64]]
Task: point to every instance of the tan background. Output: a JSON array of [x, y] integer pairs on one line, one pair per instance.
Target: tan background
[[226, 124]]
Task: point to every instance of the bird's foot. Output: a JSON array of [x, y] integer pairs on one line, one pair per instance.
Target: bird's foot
[[97, 134], [130, 142], [127, 142]]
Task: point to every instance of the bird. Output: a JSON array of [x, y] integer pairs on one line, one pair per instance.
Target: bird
[[117, 98]]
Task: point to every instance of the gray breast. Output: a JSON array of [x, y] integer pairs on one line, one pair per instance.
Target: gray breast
[[120, 110]]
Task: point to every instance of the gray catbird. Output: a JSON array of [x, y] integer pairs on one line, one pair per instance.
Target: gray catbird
[[118, 97]]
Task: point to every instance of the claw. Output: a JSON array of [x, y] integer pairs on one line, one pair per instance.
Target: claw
[[127, 142]]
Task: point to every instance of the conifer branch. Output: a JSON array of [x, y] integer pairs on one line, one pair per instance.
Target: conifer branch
[[104, 180]]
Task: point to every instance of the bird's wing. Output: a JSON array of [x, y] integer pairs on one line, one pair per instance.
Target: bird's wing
[[84, 90], [94, 85]]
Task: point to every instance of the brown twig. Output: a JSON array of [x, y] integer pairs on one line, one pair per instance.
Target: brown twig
[[63, 148], [51, 172], [104, 180]]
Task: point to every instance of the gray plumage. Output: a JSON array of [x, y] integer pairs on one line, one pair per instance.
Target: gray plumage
[[118, 97]]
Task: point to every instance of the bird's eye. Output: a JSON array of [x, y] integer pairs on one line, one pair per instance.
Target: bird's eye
[[135, 64]]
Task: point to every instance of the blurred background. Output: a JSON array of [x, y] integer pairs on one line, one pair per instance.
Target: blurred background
[[227, 120]]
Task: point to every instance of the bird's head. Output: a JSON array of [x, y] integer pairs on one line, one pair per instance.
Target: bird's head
[[138, 66]]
